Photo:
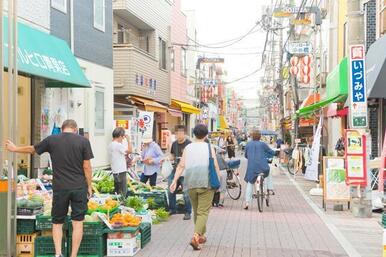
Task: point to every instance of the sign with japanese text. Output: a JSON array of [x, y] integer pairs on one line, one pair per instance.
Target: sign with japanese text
[[334, 173], [145, 124], [356, 157], [150, 83], [300, 48], [122, 124], [357, 88]]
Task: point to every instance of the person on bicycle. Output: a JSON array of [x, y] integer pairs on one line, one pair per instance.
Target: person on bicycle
[[257, 152], [117, 152]]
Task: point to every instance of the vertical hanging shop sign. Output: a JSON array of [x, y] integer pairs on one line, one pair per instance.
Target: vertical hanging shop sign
[[312, 170], [358, 97], [356, 159]]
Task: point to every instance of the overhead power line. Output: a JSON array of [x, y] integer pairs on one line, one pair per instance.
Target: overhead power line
[[243, 77], [215, 45]]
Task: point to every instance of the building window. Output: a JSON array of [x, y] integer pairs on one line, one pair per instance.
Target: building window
[[162, 54], [147, 44], [99, 111], [172, 60], [60, 5], [99, 14], [121, 35], [183, 62]]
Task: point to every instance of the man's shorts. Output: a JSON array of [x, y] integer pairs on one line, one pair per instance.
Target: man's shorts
[[62, 199]]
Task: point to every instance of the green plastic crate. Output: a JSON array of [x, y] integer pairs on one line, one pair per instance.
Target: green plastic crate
[[26, 226], [160, 198], [145, 229], [91, 246], [91, 228], [44, 246], [45, 223]]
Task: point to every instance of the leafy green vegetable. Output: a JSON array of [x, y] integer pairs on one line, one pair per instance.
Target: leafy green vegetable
[[151, 203], [106, 185], [162, 214], [135, 202]]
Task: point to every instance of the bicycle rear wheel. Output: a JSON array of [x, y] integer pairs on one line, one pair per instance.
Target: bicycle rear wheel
[[260, 194], [291, 166], [267, 199], [233, 186]]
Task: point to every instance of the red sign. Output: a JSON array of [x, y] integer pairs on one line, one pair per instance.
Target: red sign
[[122, 124], [165, 138], [357, 52], [356, 158]]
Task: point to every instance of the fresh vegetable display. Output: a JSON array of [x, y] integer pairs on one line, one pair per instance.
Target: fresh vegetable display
[[92, 218], [98, 175], [106, 185], [135, 202], [108, 206], [162, 214], [34, 201], [125, 220]]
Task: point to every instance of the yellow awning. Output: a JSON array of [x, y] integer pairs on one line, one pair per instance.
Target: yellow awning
[[185, 107], [223, 123], [149, 105]]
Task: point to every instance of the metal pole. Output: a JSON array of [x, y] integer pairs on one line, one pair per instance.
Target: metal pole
[[10, 131], [15, 122], [2, 109]]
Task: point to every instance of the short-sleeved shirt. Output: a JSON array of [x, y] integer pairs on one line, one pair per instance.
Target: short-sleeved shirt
[[117, 152], [177, 150], [67, 151]]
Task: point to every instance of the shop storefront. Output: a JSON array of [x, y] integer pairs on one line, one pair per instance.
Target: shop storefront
[[182, 112], [332, 106], [44, 61]]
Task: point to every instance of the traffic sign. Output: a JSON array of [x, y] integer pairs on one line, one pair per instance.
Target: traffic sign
[[357, 88]]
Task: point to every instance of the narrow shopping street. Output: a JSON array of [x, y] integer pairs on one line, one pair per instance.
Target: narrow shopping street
[[289, 227]]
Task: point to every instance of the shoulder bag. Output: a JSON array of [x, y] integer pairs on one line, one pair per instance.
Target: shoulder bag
[[214, 181]]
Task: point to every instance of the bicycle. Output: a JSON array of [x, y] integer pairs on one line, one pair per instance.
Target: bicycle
[[233, 184], [261, 193]]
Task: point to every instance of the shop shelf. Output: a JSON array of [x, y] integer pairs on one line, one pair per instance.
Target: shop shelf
[[29, 211]]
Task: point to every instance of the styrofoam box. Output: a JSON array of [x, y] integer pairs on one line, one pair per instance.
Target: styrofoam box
[[124, 247]]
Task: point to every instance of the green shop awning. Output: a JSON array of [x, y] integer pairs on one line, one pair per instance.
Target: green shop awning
[[337, 80], [311, 109], [46, 56]]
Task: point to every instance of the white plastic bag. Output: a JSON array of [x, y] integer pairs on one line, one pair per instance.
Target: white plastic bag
[[167, 169]]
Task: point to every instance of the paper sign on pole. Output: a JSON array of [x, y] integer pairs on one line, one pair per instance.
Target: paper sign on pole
[[145, 124], [357, 88], [312, 170], [356, 158]]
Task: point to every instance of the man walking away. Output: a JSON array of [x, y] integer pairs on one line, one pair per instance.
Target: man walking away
[[117, 151], [70, 154], [176, 151]]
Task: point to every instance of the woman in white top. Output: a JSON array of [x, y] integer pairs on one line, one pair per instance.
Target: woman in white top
[[195, 162]]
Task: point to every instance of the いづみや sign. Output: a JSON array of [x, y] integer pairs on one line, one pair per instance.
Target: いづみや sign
[[357, 88]]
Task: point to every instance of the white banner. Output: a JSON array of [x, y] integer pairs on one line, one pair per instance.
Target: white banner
[[312, 168], [145, 124]]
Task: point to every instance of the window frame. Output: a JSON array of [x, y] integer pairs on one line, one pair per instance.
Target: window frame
[[162, 54], [101, 27], [57, 6], [98, 130], [172, 59], [183, 69]]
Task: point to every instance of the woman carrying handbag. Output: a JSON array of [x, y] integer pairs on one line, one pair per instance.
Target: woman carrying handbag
[[201, 181]]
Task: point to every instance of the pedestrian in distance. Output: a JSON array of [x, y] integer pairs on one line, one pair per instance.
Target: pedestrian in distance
[[231, 147], [117, 151], [70, 154], [176, 152], [195, 162], [152, 157], [257, 153]]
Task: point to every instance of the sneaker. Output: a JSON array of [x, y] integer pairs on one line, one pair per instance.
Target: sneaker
[[187, 216]]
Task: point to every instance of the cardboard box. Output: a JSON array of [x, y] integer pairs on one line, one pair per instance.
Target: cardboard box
[[124, 247]]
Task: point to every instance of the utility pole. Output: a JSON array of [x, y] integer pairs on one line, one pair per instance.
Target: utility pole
[[360, 196], [280, 82]]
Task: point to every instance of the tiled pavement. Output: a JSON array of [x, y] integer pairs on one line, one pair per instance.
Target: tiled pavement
[[364, 235], [289, 227]]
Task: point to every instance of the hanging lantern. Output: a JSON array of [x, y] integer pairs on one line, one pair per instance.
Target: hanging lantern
[[306, 79], [306, 60], [294, 70], [306, 70], [294, 61]]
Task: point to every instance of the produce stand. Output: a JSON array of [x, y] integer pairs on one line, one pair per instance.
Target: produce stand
[[103, 233]]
